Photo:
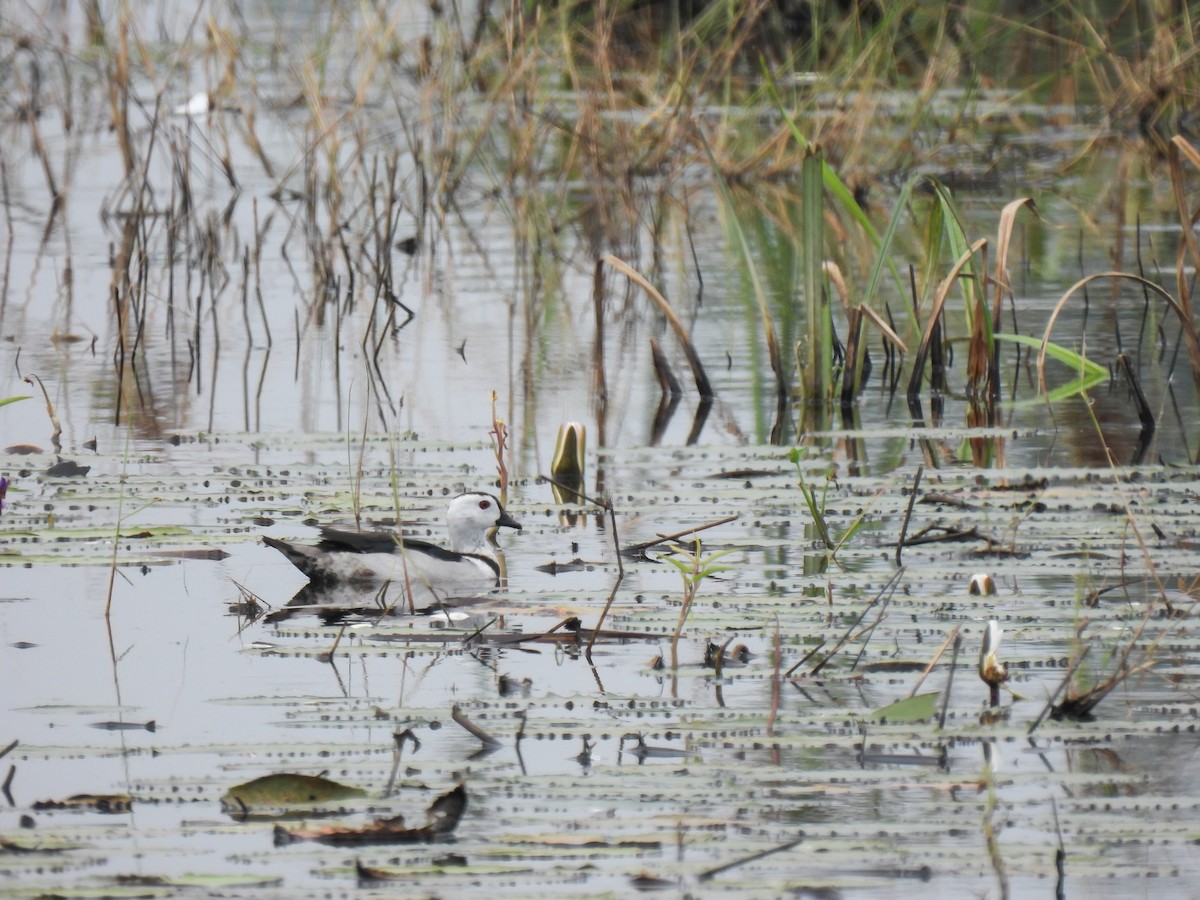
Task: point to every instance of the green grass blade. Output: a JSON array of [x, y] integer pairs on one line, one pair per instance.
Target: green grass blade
[[1080, 363]]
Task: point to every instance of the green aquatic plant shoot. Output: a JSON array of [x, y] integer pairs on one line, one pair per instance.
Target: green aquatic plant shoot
[[817, 506], [693, 568]]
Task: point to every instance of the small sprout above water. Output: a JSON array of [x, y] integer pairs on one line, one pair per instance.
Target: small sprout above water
[[693, 569]]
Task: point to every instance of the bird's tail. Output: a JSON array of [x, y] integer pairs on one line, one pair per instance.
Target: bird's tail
[[308, 560]]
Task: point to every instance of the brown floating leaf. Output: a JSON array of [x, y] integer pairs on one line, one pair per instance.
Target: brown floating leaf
[[191, 554], [442, 818], [590, 841], [369, 873], [644, 881], [105, 803], [16, 847]]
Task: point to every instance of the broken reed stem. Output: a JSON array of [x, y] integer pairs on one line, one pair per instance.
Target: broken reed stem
[[668, 384], [805, 658], [612, 517], [606, 505], [933, 325], [776, 681], [112, 568], [883, 591], [989, 833], [677, 326], [708, 874], [912, 498], [1075, 664], [600, 376], [634, 549], [522, 638], [950, 679], [952, 636], [474, 730], [398, 739], [336, 641], [1145, 414], [30, 379]]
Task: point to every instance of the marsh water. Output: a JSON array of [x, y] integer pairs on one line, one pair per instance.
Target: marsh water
[[270, 325]]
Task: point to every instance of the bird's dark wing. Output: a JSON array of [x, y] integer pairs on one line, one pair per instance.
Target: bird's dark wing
[[334, 540]]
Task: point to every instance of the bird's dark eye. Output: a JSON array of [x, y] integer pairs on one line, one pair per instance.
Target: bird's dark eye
[[485, 504]]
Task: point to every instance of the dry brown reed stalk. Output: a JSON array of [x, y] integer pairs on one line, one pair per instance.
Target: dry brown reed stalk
[[1178, 150], [54, 438], [499, 434], [677, 326], [776, 679], [881, 598], [950, 638], [258, 294], [6, 199], [935, 311], [118, 87], [1002, 285], [30, 113]]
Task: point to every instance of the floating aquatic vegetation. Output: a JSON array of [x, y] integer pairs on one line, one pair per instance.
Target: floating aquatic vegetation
[[287, 793]]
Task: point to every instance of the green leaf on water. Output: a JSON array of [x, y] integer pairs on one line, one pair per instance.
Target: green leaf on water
[[909, 710], [286, 789], [1081, 364]]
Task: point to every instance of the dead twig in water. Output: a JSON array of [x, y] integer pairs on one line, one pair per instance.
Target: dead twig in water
[[1058, 690], [640, 549], [399, 738], [328, 657], [612, 518], [885, 591], [689, 349], [30, 379], [474, 730], [953, 635], [776, 681], [949, 678], [612, 595], [805, 658], [912, 498], [709, 874]]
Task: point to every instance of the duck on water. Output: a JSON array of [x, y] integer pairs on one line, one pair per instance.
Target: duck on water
[[372, 558]]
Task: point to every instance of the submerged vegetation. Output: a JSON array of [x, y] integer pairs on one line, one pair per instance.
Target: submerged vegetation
[[931, 272]]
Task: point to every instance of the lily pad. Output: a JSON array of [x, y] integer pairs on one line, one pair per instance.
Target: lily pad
[[286, 793], [908, 710]]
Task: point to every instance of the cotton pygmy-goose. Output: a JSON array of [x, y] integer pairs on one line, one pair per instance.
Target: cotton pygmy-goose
[[375, 557]]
